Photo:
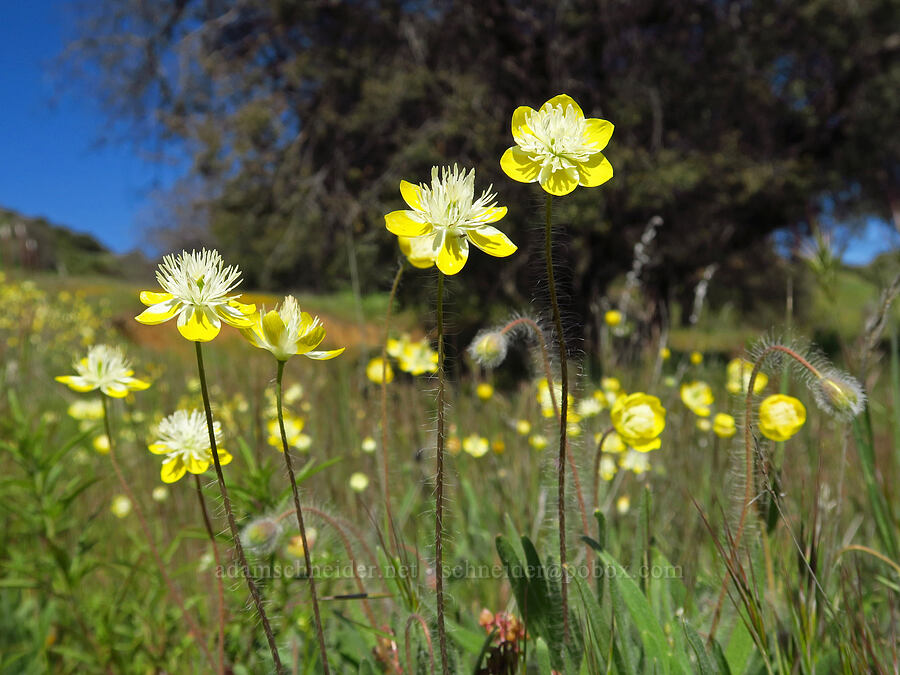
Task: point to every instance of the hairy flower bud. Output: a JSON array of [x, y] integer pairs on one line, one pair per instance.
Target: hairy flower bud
[[261, 535], [839, 394], [489, 348]]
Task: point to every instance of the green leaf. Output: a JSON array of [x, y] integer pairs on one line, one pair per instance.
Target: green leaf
[[704, 665], [542, 655]]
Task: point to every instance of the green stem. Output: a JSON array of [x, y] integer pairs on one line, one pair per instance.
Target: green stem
[[299, 511], [563, 416], [226, 500], [220, 584], [439, 480], [139, 512]]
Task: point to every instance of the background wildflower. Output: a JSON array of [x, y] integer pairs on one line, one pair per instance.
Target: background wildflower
[[104, 368], [184, 440], [287, 331]]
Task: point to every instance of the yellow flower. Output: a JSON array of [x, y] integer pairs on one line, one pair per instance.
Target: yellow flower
[[703, 424], [613, 317], [498, 446], [359, 482], [295, 547], [287, 331], [475, 445], [607, 468], [523, 427], [368, 445], [104, 368], [160, 493], [379, 368], [484, 391], [696, 358], [623, 504], [417, 358], [293, 430], [86, 410], [197, 289], [698, 397], [665, 353], [447, 216], [636, 462], [589, 407], [546, 401], [638, 418], [612, 443], [184, 440], [120, 506], [738, 372], [723, 425], [558, 147], [538, 441], [101, 444], [780, 417]]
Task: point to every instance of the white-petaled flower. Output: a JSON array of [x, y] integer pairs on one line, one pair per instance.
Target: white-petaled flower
[[475, 445], [287, 331], [104, 368], [634, 461], [197, 288], [447, 215], [184, 440], [558, 147]]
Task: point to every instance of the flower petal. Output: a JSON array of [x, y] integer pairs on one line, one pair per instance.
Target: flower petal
[[517, 165], [135, 384], [197, 466], [410, 194], [520, 121], [492, 214], [311, 340], [561, 182], [114, 390], [224, 456], [76, 382], [159, 312], [159, 448], [596, 171], [492, 241], [598, 132], [253, 335], [194, 325], [234, 314], [172, 470], [417, 250], [273, 327], [324, 356], [403, 224], [453, 254], [154, 298], [564, 100]]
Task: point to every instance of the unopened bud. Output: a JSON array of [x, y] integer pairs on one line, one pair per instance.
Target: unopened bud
[[489, 348], [839, 394]]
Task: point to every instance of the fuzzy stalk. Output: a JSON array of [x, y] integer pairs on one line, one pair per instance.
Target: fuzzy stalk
[[235, 534], [220, 585], [170, 585], [320, 635], [563, 416], [439, 481]]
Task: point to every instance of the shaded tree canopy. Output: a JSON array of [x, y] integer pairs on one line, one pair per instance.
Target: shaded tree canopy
[[732, 119]]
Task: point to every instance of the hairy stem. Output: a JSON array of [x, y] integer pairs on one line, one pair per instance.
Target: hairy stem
[[563, 416], [416, 618], [170, 585], [320, 635], [439, 481], [220, 585], [226, 500]]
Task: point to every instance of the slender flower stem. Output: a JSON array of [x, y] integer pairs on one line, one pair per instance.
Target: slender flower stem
[[299, 511], [563, 416], [220, 585], [439, 480], [191, 624], [385, 478], [226, 500], [748, 465], [597, 457]]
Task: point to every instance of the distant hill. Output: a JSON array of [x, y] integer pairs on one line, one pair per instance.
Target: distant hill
[[37, 244]]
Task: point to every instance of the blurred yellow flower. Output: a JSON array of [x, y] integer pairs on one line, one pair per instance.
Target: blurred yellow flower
[[698, 397], [613, 317], [703, 424], [86, 409], [589, 407], [293, 430], [780, 417], [558, 147], [184, 440], [537, 441], [523, 427], [287, 331], [738, 374], [447, 216], [378, 368], [634, 461], [484, 391], [295, 548], [608, 468], [417, 358], [104, 368], [623, 504], [696, 358], [612, 443], [665, 353], [120, 506], [359, 482], [498, 446], [723, 425], [638, 418], [101, 444], [197, 289], [160, 493], [475, 445], [368, 445]]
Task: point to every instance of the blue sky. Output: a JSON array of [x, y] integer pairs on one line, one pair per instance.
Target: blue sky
[[52, 165]]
